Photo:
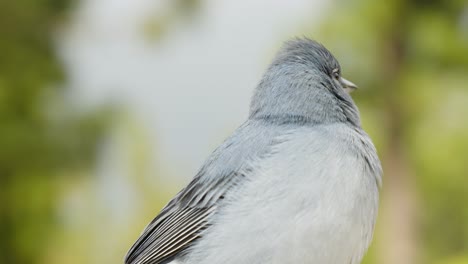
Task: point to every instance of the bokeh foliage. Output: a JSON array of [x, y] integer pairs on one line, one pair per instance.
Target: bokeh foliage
[[41, 139]]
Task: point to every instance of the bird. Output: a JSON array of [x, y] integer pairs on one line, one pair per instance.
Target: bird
[[298, 182]]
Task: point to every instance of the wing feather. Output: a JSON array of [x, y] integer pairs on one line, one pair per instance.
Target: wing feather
[[180, 223]]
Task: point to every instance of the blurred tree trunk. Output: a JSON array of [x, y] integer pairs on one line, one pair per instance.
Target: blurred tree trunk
[[398, 215]]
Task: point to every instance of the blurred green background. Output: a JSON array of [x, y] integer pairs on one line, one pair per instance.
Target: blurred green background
[[410, 59]]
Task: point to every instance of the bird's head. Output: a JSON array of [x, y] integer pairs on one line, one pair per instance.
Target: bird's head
[[305, 80]]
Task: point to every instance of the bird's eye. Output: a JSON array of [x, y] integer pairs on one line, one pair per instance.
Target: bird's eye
[[336, 73]]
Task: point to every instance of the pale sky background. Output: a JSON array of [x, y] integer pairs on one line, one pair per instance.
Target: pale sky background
[[189, 90]]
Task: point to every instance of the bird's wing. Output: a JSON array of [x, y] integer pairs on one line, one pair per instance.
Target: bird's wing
[[182, 221]]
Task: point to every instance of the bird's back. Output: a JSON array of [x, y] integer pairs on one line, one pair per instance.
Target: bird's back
[[186, 218]]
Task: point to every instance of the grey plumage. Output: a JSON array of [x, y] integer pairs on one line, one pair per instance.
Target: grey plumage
[[296, 183]]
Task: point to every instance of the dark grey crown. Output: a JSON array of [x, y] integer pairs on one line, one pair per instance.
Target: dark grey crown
[[307, 52]]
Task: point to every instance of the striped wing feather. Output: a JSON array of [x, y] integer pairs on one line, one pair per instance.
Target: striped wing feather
[[181, 222]]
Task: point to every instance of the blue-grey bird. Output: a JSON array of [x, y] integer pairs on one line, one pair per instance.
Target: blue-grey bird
[[297, 183]]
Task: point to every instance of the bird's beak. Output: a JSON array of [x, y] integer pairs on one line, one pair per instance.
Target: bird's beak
[[347, 85]]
